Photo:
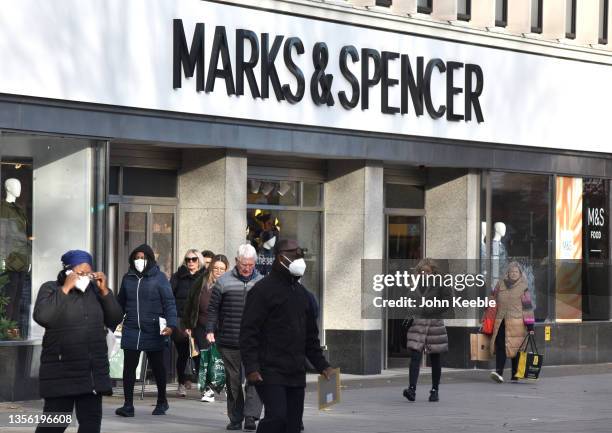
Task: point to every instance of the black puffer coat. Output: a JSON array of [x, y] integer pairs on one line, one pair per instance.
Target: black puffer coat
[[74, 358], [226, 305], [181, 282]]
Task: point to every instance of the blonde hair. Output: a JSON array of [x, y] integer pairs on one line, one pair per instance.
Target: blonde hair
[[196, 253]]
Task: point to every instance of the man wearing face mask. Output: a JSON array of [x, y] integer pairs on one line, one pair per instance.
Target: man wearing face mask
[[278, 332], [146, 297]]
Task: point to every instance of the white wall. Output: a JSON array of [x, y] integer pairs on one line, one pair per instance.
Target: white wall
[[119, 52]]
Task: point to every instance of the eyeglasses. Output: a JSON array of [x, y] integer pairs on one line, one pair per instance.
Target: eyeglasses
[[191, 259]]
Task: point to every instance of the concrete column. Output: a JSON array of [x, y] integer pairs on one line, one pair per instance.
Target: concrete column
[[445, 10], [212, 200], [553, 19], [608, 46], [363, 3], [483, 13], [519, 16], [404, 6], [354, 231], [587, 22]]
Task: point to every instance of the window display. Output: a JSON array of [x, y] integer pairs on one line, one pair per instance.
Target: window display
[[46, 203]]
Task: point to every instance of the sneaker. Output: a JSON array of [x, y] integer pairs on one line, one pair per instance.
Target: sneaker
[[410, 393], [249, 424], [514, 379], [234, 426], [126, 411], [182, 392], [496, 377], [433, 395], [208, 396], [161, 408]]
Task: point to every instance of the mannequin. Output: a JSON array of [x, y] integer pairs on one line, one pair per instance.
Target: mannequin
[[14, 251], [499, 255]]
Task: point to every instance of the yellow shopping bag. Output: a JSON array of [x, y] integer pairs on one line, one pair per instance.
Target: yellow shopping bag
[[529, 363]]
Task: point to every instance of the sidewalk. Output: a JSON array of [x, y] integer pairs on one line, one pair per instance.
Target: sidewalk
[[567, 399]]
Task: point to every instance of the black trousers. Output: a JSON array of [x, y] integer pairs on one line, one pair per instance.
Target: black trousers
[[182, 352], [130, 362], [415, 368], [238, 406], [500, 352], [283, 408], [88, 412]]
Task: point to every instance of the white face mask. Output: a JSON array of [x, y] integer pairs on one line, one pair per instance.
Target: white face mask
[[269, 244], [296, 267], [140, 264], [82, 283]]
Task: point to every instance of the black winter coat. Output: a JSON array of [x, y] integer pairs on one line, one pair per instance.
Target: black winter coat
[[181, 282], [226, 305], [279, 330], [74, 358]]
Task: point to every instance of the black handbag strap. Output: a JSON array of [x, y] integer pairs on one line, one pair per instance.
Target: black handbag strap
[[529, 342]]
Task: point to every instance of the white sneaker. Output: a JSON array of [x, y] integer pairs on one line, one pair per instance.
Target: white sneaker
[[208, 396], [496, 377], [182, 392]]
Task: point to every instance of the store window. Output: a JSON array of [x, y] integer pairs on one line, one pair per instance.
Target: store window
[[278, 209], [501, 13], [516, 227], [424, 6], [595, 249], [536, 16], [464, 10], [570, 19], [45, 209]]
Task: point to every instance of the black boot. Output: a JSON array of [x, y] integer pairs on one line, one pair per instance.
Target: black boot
[[410, 393], [127, 410], [433, 395], [161, 408]]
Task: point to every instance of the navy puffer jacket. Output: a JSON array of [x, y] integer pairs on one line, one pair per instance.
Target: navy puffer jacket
[[145, 297]]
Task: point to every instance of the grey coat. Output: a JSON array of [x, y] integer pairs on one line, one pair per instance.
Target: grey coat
[[427, 332]]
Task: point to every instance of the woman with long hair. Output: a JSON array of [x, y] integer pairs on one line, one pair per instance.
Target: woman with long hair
[[195, 313]]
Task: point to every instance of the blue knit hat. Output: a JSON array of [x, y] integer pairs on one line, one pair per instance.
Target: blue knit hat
[[74, 258]]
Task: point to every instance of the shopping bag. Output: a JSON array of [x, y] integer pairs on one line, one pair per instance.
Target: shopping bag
[[203, 373], [488, 320], [530, 362], [215, 377], [480, 347]]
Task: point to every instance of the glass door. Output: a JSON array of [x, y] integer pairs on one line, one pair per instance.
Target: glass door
[[404, 246], [146, 224]]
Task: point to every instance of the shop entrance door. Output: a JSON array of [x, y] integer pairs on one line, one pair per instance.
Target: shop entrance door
[[405, 242], [142, 223]]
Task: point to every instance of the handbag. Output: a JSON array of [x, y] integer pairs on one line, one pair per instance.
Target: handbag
[[488, 320], [529, 363], [407, 323]]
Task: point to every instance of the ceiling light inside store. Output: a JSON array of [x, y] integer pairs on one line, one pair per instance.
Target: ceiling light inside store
[[284, 188], [254, 186], [267, 188]]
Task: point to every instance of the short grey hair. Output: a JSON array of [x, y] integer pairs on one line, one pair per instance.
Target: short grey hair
[[246, 251]]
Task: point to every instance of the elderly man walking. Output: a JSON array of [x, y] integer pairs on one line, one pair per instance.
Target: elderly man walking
[[224, 316]]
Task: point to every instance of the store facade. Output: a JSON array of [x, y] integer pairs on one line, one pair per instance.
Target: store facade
[[200, 124]]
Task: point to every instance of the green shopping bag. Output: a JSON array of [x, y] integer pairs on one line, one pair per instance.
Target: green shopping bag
[[215, 376], [203, 373]]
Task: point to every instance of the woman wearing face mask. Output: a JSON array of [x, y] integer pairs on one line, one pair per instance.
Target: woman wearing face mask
[[182, 280], [514, 319], [195, 314], [145, 296], [427, 333], [74, 370]]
